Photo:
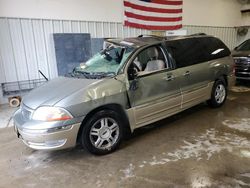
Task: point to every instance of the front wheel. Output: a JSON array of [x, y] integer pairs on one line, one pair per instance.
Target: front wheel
[[218, 95], [102, 133]]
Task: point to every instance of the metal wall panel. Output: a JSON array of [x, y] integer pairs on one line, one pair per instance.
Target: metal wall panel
[[18, 49], [66, 26], [75, 25], [241, 39], [40, 46], [8, 61], [57, 26], [49, 45], [29, 49], [2, 73], [26, 45]]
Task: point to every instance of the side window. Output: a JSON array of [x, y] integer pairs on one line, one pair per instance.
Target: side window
[[214, 48], [186, 52], [151, 59], [192, 51]]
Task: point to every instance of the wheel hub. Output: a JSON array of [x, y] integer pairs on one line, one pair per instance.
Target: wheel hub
[[220, 93], [105, 133]]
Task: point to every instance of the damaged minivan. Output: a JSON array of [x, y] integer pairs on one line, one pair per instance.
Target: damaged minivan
[[131, 83]]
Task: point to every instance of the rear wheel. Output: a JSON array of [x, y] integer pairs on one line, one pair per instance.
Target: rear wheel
[[102, 133], [218, 95]]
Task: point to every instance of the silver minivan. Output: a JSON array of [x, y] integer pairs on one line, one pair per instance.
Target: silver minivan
[[131, 83]]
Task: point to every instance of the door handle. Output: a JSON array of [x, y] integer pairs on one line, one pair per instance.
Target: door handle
[[187, 73], [169, 77]]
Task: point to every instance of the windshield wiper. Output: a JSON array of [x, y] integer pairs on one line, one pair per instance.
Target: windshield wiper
[[78, 73], [104, 73], [91, 75], [99, 75]]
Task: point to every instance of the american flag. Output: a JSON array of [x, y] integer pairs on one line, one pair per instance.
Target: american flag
[[153, 14]]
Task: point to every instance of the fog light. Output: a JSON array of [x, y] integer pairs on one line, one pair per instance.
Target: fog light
[[53, 143]]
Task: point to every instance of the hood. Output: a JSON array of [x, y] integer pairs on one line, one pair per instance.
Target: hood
[[55, 90], [241, 53]]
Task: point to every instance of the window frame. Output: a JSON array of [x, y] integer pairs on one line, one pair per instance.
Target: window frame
[[168, 60]]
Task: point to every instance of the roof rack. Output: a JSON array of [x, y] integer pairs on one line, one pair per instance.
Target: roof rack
[[154, 36], [198, 34], [168, 37]]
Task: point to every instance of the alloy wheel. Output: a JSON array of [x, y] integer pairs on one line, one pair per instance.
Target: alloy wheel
[[104, 133], [220, 93]]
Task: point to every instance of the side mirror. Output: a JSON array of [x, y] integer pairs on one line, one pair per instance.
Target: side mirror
[[236, 48], [132, 72]]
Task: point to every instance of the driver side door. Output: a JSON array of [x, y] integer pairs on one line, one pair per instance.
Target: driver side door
[[156, 94]]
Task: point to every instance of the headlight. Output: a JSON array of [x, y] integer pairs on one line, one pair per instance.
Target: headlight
[[51, 114]]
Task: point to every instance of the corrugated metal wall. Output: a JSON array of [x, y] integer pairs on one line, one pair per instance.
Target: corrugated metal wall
[[26, 45], [241, 39]]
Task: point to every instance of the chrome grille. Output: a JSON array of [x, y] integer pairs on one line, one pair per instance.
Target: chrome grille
[[242, 61], [26, 112]]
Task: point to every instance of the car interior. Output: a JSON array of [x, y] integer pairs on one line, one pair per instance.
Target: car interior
[[150, 59]]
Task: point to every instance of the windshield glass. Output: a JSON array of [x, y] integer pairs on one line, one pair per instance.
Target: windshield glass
[[244, 46], [105, 63]]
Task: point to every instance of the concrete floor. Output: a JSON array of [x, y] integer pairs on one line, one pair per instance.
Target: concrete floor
[[5, 115], [200, 147]]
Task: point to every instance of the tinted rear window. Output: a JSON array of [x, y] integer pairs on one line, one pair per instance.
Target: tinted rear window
[[191, 51]]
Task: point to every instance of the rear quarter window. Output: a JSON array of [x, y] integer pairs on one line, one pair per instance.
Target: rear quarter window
[[192, 51]]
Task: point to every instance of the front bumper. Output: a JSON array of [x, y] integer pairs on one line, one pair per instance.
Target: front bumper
[[243, 74], [242, 68], [54, 135], [243, 77]]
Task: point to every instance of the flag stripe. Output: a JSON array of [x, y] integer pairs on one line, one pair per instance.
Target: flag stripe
[[157, 23], [165, 2], [154, 14], [153, 27], [153, 5], [151, 9], [152, 18]]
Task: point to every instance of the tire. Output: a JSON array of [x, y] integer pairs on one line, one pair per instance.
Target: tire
[[218, 95], [14, 102], [102, 133]]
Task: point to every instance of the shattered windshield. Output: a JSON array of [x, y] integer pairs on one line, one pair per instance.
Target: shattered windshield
[[106, 63]]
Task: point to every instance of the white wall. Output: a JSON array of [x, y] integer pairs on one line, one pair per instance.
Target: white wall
[[246, 15], [89, 10], [225, 13], [245, 19]]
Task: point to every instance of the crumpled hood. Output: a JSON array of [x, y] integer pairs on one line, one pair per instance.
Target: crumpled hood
[[55, 90], [240, 53]]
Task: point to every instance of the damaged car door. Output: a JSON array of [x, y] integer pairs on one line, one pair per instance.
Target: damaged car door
[[154, 90]]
